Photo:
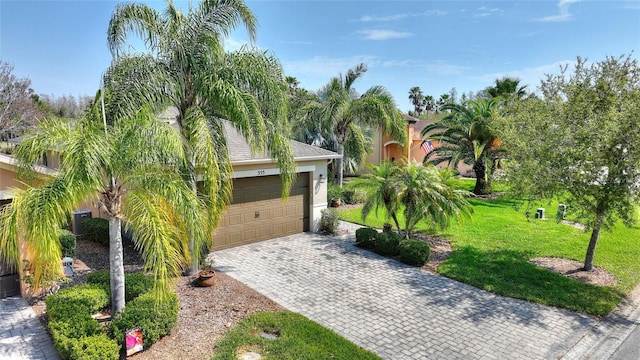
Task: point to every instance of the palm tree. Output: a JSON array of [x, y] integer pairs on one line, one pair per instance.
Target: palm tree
[[380, 190], [417, 100], [507, 88], [426, 195], [186, 67], [124, 165], [429, 103], [337, 110], [465, 135], [443, 100]]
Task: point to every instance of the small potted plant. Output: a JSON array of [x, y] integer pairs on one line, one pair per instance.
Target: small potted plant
[[207, 276]]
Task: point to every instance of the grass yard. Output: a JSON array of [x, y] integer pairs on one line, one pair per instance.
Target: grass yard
[[491, 252], [297, 338]]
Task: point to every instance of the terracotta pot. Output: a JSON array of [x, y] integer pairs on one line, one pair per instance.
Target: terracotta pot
[[336, 202], [206, 278]]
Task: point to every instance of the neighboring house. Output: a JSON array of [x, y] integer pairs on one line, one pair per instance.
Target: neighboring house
[[386, 148], [257, 211]]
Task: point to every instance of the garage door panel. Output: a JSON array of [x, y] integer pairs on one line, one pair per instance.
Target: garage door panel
[[258, 213]]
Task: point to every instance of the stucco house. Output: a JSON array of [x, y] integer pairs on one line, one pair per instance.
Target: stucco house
[[385, 148], [257, 211]]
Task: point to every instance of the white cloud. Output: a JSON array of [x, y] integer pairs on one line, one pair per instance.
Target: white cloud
[[528, 76], [439, 68], [396, 17], [324, 67], [563, 12], [374, 34], [484, 12]]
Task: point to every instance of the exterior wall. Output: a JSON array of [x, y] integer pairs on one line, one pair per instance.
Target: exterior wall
[[317, 186]]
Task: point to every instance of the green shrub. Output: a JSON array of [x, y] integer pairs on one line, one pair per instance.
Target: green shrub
[[365, 237], [95, 347], [387, 243], [66, 332], [329, 221], [414, 252], [155, 318], [334, 192], [84, 299], [96, 229], [135, 284], [67, 243]]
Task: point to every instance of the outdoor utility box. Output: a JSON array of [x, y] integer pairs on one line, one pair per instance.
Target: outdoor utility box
[[540, 213], [78, 216], [562, 211]]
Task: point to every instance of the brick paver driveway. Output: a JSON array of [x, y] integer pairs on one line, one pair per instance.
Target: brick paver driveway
[[397, 311]]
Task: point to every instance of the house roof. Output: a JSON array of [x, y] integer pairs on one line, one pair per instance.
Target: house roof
[[240, 151]]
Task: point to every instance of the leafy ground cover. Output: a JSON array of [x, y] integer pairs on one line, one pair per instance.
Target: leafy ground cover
[[492, 252], [296, 337]]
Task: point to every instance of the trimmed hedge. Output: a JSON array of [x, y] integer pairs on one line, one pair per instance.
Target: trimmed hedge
[[387, 243], [135, 284], [95, 347], [96, 229], [75, 334], [414, 252], [67, 243], [156, 319], [67, 302], [365, 237]]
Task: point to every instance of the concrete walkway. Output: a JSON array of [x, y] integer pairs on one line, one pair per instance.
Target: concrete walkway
[[398, 311], [22, 336]]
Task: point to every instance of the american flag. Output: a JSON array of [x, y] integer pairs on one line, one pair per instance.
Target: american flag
[[427, 146]]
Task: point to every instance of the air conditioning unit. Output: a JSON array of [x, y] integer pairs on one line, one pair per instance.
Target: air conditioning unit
[[78, 216]]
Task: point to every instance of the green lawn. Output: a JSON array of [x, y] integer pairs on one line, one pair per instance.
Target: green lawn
[[491, 252], [297, 338]]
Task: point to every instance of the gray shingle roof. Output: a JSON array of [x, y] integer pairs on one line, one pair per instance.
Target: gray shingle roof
[[240, 151]]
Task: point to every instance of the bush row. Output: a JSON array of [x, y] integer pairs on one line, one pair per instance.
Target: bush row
[[96, 229], [411, 252], [76, 335]]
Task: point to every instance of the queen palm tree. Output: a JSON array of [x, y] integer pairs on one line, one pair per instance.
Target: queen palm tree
[[185, 66], [337, 110], [465, 135], [125, 166]]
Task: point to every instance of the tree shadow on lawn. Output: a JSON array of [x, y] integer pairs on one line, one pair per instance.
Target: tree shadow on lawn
[[509, 273]]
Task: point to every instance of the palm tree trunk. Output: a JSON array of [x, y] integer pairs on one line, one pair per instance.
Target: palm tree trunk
[[483, 184], [195, 258], [340, 163], [595, 234], [116, 264]]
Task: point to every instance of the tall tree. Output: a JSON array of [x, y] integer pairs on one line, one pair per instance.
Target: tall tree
[[186, 67], [339, 111], [580, 143], [18, 111], [124, 165], [507, 88], [417, 100], [466, 134]]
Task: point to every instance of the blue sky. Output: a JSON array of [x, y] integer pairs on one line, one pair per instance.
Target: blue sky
[[61, 45]]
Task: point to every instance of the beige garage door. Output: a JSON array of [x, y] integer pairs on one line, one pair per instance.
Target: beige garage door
[[258, 213]]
